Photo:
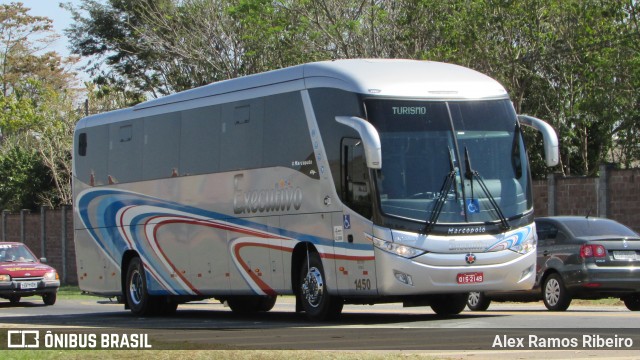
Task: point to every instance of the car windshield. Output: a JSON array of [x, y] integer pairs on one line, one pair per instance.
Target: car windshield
[[15, 253], [450, 162], [598, 227]]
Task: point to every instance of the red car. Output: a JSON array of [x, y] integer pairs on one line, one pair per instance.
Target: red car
[[22, 274]]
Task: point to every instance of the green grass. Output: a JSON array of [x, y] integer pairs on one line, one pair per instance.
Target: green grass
[[603, 302], [70, 292]]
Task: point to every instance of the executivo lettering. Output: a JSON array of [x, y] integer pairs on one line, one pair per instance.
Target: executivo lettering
[[282, 197]]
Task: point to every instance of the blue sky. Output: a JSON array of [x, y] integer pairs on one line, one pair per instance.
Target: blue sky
[[51, 9], [61, 20]]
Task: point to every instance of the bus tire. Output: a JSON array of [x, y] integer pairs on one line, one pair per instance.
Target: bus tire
[[138, 298], [317, 304], [266, 303], [251, 304], [477, 301], [449, 304], [164, 305]]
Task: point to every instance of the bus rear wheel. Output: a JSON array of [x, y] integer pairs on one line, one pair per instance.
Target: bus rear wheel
[[136, 290], [251, 304], [317, 303]]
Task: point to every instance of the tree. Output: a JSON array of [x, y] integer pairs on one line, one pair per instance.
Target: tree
[[23, 177], [574, 63], [38, 113], [17, 29]]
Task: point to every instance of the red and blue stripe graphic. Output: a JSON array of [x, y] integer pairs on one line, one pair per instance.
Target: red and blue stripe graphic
[[119, 220]]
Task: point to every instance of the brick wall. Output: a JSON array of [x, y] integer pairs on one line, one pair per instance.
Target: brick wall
[[540, 197], [615, 194], [576, 196], [53, 251], [624, 197]]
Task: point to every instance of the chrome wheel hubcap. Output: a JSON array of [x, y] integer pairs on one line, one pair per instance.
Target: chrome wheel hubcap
[[552, 292], [136, 287], [313, 287], [474, 298]]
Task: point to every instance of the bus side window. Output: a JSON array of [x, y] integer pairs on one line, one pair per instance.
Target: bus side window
[[82, 144], [356, 187]]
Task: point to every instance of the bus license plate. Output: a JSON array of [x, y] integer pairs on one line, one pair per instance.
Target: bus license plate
[[470, 278], [29, 285]]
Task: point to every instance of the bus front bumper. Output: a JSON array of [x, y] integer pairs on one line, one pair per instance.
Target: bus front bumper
[[400, 276]]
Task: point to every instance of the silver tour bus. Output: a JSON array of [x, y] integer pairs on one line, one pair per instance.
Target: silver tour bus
[[338, 182]]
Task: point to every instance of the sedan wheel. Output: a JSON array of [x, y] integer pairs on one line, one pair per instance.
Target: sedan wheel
[[478, 301], [632, 302], [554, 294]]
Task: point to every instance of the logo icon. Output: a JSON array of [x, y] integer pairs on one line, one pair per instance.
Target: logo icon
[[347, 221], [470, 258], [23, 339]]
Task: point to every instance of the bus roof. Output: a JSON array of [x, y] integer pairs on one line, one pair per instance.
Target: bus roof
[[375, 77]]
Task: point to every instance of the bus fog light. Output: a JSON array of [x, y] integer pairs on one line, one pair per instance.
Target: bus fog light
[[528, 271], [402, 277]]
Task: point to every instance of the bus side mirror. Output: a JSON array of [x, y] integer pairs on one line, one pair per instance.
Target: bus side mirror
[[551, 152], [369, 136]]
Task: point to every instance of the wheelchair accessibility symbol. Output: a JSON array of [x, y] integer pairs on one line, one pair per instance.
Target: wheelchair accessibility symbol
[[347, 221], [473, 206]]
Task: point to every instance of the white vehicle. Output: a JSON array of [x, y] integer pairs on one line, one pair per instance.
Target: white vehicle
[[352, 181]]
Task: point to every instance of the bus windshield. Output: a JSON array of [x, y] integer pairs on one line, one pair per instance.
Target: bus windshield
[[450, 162]]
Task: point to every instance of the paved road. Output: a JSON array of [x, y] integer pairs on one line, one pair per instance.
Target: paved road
[[387, 327]]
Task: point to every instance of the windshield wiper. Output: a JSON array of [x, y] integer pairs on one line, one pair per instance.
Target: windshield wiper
[[470, 174], [444, 191]]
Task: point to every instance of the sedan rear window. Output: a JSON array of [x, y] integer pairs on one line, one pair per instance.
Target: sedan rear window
[[598, 227]]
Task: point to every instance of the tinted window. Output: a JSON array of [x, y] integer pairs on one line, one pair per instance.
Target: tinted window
[[598, 227], [82, 144], [125, 151], [356, 185], [161, 146], [92, 167], [242, 124], [546, 231], [286, 135], [200, 141], [327, 104]]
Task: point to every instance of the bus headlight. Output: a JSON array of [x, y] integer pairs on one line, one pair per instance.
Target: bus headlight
[[397, 249], [526, 246], [5, 278]]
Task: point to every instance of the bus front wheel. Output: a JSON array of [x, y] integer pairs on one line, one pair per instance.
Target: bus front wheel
[[317, 303], [448, 304]]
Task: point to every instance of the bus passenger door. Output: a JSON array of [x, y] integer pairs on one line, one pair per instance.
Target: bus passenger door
[[355, 265]]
